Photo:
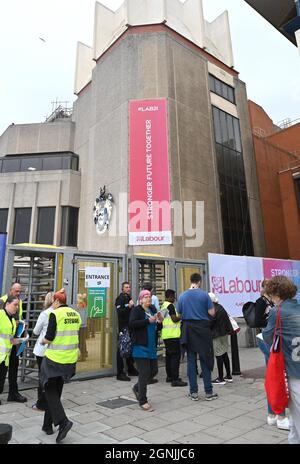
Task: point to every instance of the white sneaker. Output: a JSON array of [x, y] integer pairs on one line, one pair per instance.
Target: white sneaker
[[272, 420], [283, 424]]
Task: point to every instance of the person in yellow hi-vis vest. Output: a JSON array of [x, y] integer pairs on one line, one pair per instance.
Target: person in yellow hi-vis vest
[[59, 363], [170, 334], [13, 389], [7, 332]]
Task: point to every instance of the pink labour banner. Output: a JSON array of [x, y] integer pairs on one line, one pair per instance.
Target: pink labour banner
[[149, 198]]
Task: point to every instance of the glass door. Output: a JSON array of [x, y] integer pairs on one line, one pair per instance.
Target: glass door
[[183, 271], [97, 338]]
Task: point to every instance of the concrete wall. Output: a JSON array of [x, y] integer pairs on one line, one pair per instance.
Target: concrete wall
[[250, 169], [37, 138], [39, 189], [156, 65]]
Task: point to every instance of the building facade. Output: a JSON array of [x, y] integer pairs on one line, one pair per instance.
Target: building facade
[[277, 153], [51, 173]]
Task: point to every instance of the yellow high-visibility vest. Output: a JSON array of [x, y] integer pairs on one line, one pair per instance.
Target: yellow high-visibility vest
[[20, 311], [170, 329], [64, 348], [7, 331]]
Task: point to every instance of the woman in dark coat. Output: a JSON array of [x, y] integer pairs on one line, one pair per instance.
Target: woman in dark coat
[[143, 322], [221, 328]]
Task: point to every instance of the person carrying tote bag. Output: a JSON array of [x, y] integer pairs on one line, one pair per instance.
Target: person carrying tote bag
[[286, 319], [276, 383]]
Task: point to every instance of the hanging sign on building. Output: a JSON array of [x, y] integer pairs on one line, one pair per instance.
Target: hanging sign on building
[[96, 303], [237, 279], [149, 196], [97, 277]]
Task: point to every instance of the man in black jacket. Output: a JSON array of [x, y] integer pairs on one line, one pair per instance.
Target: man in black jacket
[[123, 304]]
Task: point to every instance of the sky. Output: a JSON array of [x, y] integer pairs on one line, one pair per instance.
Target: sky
[[35, 72]]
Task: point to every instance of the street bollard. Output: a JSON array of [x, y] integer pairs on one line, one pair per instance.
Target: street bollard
[[5, 433], [236, 370]]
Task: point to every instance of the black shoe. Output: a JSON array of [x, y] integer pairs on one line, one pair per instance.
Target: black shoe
[[123, 377], [48, 430], [169, 379], [136, 393], [63, 430], [179, 383], [152, 381], [133, 372], [17, 398]]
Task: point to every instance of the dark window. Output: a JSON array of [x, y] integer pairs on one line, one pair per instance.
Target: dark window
[[45, 227], [11, 165], [52, 163], [222, 89], [237, 232], [40, 162], [31, 164], [69, 226], [3, 220], [22, 225]]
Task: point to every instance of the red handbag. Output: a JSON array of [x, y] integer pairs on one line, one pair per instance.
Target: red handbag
[[276, 383]]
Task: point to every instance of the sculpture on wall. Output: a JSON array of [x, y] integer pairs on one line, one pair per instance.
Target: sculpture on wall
[[102, 210]]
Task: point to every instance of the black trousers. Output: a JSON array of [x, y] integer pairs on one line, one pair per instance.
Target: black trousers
[[148, 369], [41, 402], [120, 363], [3, 372], [13, 372], [173, 354], [54, 412]]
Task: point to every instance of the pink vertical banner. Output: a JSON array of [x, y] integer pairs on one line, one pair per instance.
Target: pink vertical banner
[[149, 182]]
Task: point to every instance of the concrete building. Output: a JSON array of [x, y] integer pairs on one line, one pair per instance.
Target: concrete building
[[51, 173], [277, 153], [283, 15]]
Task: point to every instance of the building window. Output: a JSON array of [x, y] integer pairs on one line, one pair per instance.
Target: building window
[[69, 226], [220, 88], [22, 225], [45, 226], [3, 220], [237, 233], [39, 162]]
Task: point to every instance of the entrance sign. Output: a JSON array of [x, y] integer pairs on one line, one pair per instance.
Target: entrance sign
[[149, 197], [97, 277], [237, 279], [2, 256], [96, 303]]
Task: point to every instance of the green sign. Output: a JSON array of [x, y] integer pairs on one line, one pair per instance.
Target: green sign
[[96, 302]]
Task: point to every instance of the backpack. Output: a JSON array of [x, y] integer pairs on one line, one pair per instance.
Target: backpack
[[249, 314], [125, 343], [256, 314]]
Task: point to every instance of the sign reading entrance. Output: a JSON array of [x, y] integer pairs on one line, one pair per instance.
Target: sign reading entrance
[[96, 303], [97, 277]]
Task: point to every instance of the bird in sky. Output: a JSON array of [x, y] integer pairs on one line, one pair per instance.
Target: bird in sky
[[41, 38]]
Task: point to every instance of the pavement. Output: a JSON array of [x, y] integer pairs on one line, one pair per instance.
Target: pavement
[[238, 416]]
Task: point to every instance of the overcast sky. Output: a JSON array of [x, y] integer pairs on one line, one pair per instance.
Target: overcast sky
[[34, 73]]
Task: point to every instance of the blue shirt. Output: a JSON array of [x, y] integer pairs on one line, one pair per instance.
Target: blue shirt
[[149, 351], [194, 304]]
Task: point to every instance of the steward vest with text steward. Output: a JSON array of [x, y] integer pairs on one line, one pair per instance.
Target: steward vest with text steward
[[64, 348], [170, 329], [7, 331]]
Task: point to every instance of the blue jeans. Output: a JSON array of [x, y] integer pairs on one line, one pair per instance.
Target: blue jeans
[[265, 349], [192, 373]]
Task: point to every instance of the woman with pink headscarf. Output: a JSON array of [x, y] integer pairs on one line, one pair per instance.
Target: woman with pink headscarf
[[143, 325]]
